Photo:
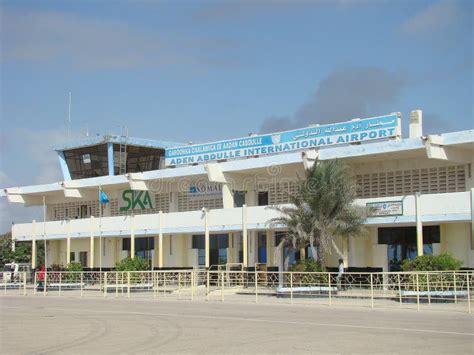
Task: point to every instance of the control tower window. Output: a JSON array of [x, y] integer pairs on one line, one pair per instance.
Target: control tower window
[[134, 159], [87, 162]]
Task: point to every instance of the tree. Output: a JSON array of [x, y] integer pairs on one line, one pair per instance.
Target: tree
[[6, 253], [322, 209], [22, 253]]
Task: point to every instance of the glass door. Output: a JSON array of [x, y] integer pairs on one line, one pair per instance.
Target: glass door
[[394, 257], [262, 247], [401, 243]]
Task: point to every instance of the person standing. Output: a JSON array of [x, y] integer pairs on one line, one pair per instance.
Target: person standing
[[40, 278], [14, 271], [340, 274]]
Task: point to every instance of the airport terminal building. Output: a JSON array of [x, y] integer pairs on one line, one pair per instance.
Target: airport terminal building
[[198, 205]]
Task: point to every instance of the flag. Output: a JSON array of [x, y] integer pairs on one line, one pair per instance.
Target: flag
[[103, 198]]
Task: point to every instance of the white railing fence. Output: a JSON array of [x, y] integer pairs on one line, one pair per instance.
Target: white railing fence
[[13, 283], [412, 290]]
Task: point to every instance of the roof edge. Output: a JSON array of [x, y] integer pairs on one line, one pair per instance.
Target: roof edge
[[110, 138]]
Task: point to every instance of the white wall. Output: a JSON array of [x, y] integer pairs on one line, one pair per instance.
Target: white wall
[[438, 207], [458, 242], [180, 247], [360, 251]]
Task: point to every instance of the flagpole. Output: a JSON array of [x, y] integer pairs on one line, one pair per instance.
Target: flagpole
[[100, 230], [44, 235]]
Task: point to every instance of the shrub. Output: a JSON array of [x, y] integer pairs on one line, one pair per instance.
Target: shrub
[[308, 265], [136, 264], [443, 262], [74, 266], [72, 274]]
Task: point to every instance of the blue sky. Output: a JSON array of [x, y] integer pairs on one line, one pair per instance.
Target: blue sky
[[204, 70]]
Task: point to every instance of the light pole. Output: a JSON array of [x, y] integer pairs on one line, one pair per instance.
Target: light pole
[[44, 235]]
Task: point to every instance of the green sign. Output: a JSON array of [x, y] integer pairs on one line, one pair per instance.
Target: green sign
[[135, 200]]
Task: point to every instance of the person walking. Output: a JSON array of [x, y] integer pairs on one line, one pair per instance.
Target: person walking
[[40, 278]]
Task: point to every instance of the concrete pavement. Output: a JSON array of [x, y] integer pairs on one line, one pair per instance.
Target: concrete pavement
[[56, 325]]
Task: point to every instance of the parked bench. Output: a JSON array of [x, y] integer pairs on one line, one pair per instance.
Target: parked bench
[[305, 291], [10, 285], [64, 286], [143, 286], [435, 294]]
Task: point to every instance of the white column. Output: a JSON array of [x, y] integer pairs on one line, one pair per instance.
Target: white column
[[132, 237], [419, 225], [68, 243], [91, 256], [160, 241], [33, 246], [251, 245], [472, 218], [206, 238], [244, 235], [251, 196], [227, 196]]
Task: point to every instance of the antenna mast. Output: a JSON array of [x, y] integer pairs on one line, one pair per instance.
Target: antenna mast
[[69, 118]]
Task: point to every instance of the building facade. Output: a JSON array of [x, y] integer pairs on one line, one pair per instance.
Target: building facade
[[183, 206]]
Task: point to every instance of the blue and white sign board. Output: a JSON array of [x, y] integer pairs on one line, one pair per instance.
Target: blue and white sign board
[[354, 131], [204, 191], [385, 208]]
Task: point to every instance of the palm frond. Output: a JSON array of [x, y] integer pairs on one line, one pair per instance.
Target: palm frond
[[322, 209]]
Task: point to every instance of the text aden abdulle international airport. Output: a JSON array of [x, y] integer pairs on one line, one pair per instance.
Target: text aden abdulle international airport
[[310, 137]]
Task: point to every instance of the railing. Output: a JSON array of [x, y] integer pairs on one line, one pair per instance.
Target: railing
[[180, 284], [413, 290], [13, 283], [448, 290]]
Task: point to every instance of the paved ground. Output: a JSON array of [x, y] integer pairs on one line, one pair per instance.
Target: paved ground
[[70, 325]]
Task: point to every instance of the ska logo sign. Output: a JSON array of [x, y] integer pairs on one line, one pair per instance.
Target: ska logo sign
[[134, 200]]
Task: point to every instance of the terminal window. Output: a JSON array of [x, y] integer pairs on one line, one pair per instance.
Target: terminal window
[[401, 243], [83, 258], [263, 198], [218, 244]]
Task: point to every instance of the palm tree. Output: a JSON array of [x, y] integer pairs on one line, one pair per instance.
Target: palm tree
[[322, 210]]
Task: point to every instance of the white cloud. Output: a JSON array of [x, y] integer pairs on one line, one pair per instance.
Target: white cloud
[[16, 213], [33, 157], [43, 160], [13, 212], [98, 43], [4, 179], [436, 17], [45, 36]]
